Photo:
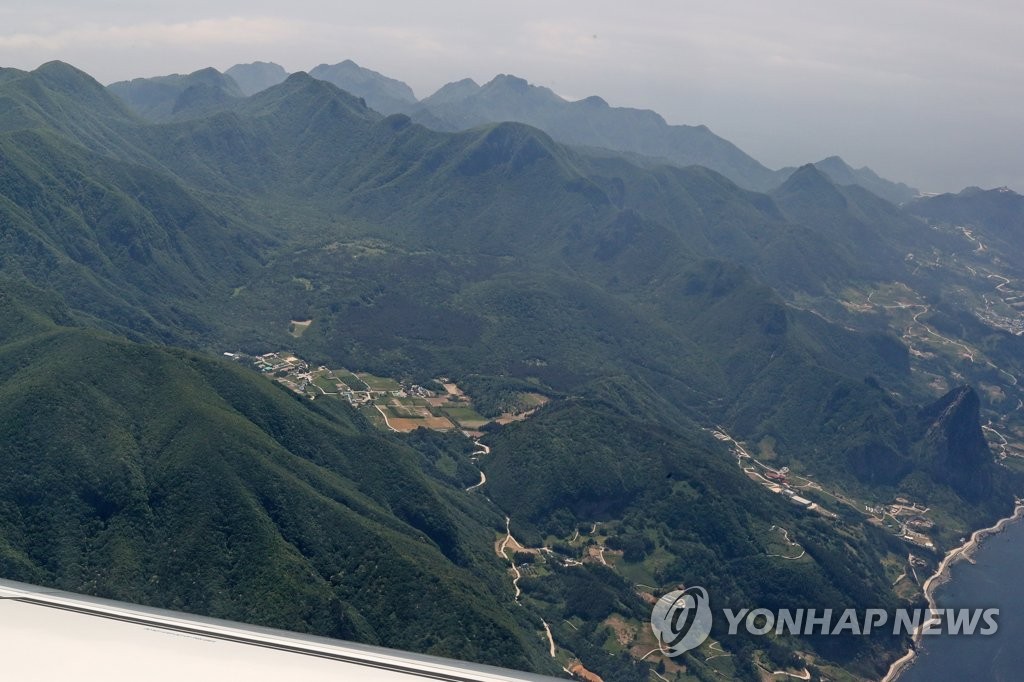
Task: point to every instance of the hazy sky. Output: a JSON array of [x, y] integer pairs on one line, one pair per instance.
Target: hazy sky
[[930, 92]]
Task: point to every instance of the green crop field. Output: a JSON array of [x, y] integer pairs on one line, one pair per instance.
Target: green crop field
[[351, 380], [464, 414], [379, 383]]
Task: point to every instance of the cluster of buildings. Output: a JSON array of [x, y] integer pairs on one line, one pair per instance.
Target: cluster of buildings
[[912, 529], [368, 396], [296, 374], [915, 538], [269, 363], [417, 391], [779, 484]]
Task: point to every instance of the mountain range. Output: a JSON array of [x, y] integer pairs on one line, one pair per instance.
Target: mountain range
[[464, 104], [661, 309]]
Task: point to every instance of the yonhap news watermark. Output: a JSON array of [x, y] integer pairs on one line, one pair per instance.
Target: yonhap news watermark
[[682, 620]]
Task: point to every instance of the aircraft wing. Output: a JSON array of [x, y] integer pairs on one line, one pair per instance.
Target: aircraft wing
[[49, 635]]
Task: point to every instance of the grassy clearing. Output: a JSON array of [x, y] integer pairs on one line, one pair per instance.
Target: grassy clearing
[[298, 327], [453, 389], [465, 416], [533, 400], [407, 411], [326, 384], [379, 383], [371, 413], [766, 449]]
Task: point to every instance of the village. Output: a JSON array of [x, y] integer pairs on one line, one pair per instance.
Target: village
[[442, 405], [905, 519], [388, 403]]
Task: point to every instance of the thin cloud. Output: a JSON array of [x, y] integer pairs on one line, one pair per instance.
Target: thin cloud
[[925, 91], [204, 32]]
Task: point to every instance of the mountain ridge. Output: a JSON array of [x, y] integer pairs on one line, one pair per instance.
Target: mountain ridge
[[169, 97], [256, 76], [650, 305], [386, 95], [590, 122]]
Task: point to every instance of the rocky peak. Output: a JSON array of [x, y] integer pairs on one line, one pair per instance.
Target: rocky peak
[[954, 447]]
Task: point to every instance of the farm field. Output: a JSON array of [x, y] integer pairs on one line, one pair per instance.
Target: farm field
[[388, 403]]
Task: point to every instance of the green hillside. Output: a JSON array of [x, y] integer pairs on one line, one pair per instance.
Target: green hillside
[[178, 96], [818, 329], [163, 477]]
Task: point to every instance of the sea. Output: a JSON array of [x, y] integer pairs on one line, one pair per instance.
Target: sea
[[995, 580]]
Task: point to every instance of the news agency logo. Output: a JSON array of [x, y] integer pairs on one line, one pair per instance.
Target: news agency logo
[[681, 620]]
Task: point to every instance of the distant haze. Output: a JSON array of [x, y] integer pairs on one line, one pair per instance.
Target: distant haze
[[928, 93]]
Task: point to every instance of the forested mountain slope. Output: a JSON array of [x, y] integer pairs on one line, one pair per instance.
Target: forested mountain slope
[[653, 306]]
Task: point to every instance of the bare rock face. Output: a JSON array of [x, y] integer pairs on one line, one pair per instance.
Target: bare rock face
[[953, 448]]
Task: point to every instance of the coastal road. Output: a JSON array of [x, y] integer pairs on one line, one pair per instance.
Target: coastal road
[[940, 575]]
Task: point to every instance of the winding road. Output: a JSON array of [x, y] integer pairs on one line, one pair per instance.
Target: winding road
[[383, 414], [483, 479], [511, 559], [551, 640], [484, 450], [785, 536]]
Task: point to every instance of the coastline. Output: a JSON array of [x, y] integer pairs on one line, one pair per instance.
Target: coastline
[[941, 575]]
